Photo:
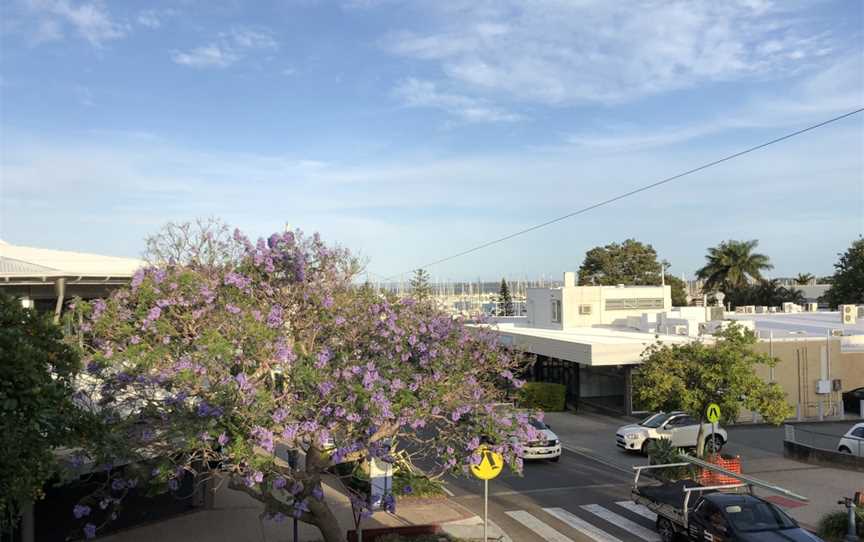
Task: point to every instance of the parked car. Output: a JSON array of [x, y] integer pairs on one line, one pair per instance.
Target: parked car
[[548, 446], [852, 400], [679, 427], [853, 441]]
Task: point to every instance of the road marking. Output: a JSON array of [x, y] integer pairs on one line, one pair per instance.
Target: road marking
[[638, 509], [542, 490], [581, 525], [546, 532], [622, 522]]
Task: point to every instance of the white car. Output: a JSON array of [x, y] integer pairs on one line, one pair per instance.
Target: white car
[[853, 441], [679, 427], [548, 446]]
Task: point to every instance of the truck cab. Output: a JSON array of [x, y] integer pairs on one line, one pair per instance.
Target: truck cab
[[722, 517]]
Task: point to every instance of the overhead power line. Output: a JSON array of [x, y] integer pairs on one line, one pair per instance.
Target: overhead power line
[[631, 192]]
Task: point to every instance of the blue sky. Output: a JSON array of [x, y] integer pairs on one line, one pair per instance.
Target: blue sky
[[408, 131]]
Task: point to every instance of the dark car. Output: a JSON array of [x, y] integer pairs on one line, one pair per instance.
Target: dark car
[[743, 518], [852, 400]]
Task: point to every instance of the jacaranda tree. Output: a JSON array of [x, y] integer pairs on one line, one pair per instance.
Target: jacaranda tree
[[214, 369]]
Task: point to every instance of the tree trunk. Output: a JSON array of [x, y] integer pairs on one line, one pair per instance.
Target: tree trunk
[[326, 521]]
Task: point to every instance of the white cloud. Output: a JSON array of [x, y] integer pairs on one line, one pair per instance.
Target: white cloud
[[206, 56], [90, 19], [152, 18], [229, 48], [836, 89], [417, 93], [595, 51]]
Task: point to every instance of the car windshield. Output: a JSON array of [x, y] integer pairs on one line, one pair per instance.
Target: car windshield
[[655, 420], [758, 516], [537, 424]]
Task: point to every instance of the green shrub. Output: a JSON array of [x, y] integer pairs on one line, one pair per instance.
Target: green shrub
[[662, 452], [833, 526], [545, 396], [416, 485]]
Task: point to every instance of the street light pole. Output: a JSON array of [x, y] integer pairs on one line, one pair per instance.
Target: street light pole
[[851, 535]]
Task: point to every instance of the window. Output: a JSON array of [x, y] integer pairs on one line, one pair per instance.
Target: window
[[632, 303], [858, 432], [584, 309], [556, 311]]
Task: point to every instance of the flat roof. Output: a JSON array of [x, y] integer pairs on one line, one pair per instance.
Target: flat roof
[[800, 324], [593, 346]]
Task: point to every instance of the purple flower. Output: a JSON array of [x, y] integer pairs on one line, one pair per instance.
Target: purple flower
[[264, 437], [323, 358], [223, 439], [90, 531], [327, 302], [233, 309], [80, 510], [274, 318], [280, 483], [118, 484], [296, 488], [318, 493], [154, 313], [134, 339], [339, 321], [407, 490], [325, 388]]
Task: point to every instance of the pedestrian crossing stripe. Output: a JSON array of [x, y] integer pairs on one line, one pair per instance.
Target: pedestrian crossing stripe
[[546, 532], [638, 509], [622, 522], [592, 532]]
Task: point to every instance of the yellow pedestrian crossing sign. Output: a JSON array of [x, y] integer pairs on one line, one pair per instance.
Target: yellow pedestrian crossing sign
[[490, 464], [713, 413]]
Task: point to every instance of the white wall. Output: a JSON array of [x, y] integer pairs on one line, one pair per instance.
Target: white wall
[[572, 297], [540, 307]]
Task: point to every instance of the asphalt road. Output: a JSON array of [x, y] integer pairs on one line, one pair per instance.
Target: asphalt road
[[576, 499]]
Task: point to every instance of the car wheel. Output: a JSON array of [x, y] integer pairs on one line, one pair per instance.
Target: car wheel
[[666, 530], [844, 450], [645, 446], [714, 444]]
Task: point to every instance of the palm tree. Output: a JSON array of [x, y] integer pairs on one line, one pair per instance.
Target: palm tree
[[803, 279], [733, 265]]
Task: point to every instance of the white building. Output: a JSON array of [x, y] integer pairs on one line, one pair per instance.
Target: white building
[[591, 338], [571, 306], [44, 278]]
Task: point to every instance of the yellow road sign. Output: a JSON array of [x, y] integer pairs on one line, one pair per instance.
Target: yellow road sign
[[713, 413], [490, 464]]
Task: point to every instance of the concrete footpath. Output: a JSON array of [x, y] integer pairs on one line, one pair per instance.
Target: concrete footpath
[[237, 516], [760, 448]]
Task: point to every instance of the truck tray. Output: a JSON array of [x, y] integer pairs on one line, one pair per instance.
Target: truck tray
[[672, 494]]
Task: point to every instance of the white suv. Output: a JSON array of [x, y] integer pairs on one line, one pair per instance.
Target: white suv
[[679, 427], [547, 445]]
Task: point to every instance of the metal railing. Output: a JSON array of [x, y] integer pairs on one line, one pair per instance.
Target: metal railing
[[823, 440]]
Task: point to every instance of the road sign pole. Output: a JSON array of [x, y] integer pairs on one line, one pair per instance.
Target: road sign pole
[[485, 509]]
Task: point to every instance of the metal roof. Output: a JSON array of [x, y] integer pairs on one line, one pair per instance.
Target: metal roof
[[20, 261]]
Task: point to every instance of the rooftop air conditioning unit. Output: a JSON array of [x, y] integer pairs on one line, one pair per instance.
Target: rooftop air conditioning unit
[[848, 314]]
